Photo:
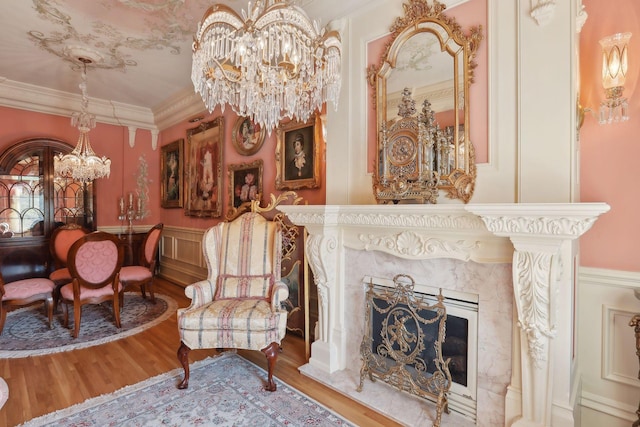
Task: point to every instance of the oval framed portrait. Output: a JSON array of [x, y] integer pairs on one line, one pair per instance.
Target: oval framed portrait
[[248, 137]]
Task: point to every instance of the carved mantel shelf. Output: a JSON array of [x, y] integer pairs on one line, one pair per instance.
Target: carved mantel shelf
[[540, 240]]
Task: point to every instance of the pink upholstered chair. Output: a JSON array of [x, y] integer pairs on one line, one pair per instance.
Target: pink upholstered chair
[[142, 274], [25, 292], [61, 240], [94, 263], [239, 304]]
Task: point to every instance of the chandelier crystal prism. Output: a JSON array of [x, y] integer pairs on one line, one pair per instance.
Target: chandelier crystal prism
[[272, 63], [82, 164]]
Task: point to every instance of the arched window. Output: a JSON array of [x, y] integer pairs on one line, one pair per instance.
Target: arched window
[[33, 202]]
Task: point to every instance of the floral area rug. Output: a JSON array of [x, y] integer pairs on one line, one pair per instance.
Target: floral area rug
[[26, 333], [225, 390]]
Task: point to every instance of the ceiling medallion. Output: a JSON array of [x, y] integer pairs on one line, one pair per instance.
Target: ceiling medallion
[[79, 54]]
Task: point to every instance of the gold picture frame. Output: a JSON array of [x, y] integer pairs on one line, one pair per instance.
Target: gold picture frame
[[245, 186], [171, 174], [298, 154], [247, 136], [203, 183]]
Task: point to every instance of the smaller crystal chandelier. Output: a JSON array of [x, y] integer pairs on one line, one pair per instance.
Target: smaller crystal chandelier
[[82, 164], [271, 63], [614, 70]]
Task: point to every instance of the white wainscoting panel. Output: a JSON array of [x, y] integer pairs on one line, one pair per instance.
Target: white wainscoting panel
[[606, 346], [617, 364], [181, 259]]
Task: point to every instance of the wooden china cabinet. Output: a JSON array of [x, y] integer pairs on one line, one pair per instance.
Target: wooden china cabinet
[[33, 202]]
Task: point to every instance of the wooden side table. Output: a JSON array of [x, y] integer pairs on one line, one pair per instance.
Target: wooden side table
[[132, 243]]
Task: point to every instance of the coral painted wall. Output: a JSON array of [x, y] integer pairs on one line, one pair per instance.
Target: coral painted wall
[[106, 140], [113, 142], [176, 217], [609, 153]]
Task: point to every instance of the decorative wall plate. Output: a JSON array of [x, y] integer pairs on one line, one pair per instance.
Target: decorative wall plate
[[247, 136]]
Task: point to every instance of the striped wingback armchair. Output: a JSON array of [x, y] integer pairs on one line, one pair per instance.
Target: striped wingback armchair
[[239, 304]]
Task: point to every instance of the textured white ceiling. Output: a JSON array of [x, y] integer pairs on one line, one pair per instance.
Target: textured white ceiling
[[142, 47]]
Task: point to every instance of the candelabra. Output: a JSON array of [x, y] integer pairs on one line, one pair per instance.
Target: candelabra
[[130, 213]]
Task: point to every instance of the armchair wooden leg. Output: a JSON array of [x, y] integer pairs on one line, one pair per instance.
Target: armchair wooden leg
[[151, 294], [49, 304], [271, 351], [183, 357], [77, 315], [65, 312], [56, 297], [116, 309], [3, 316], [121, 298]]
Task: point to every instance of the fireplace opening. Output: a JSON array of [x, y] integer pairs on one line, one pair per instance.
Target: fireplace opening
[[459, 344]]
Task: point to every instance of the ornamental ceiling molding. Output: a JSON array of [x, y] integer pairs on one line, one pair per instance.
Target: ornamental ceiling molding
[[169, 5], [104, 43], [42, 100], [178, 108]]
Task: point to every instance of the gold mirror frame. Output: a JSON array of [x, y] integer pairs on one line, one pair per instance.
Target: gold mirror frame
[[403, 143]]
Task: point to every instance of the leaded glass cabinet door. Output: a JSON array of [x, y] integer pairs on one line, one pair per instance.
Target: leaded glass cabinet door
[[73, 202], [22, 205], [33, 202]]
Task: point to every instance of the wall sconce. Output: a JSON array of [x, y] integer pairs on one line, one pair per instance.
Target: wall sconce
[[614, 70]]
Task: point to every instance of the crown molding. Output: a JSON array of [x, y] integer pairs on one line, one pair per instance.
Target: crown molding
[[178, 108], [43, 100]]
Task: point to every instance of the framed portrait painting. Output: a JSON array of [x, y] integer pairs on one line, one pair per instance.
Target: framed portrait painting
[[171, 173], [298, 155], [245, 185], [203, 183], [247, 137]]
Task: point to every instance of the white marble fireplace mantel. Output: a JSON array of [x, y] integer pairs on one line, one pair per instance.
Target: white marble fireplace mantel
[[539, 240]]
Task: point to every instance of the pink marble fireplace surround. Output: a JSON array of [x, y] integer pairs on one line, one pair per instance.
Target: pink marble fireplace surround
[[519, 259]]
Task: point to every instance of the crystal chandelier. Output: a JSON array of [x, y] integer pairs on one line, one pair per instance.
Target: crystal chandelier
[[82, 164], [271, 63]]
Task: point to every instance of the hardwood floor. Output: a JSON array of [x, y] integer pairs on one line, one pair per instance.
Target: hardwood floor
[[43, 384]]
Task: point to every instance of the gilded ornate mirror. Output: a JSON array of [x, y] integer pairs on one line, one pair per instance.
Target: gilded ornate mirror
[[422, 105]]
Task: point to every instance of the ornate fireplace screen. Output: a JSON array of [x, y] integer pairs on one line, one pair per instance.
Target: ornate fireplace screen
[[396, 354]]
